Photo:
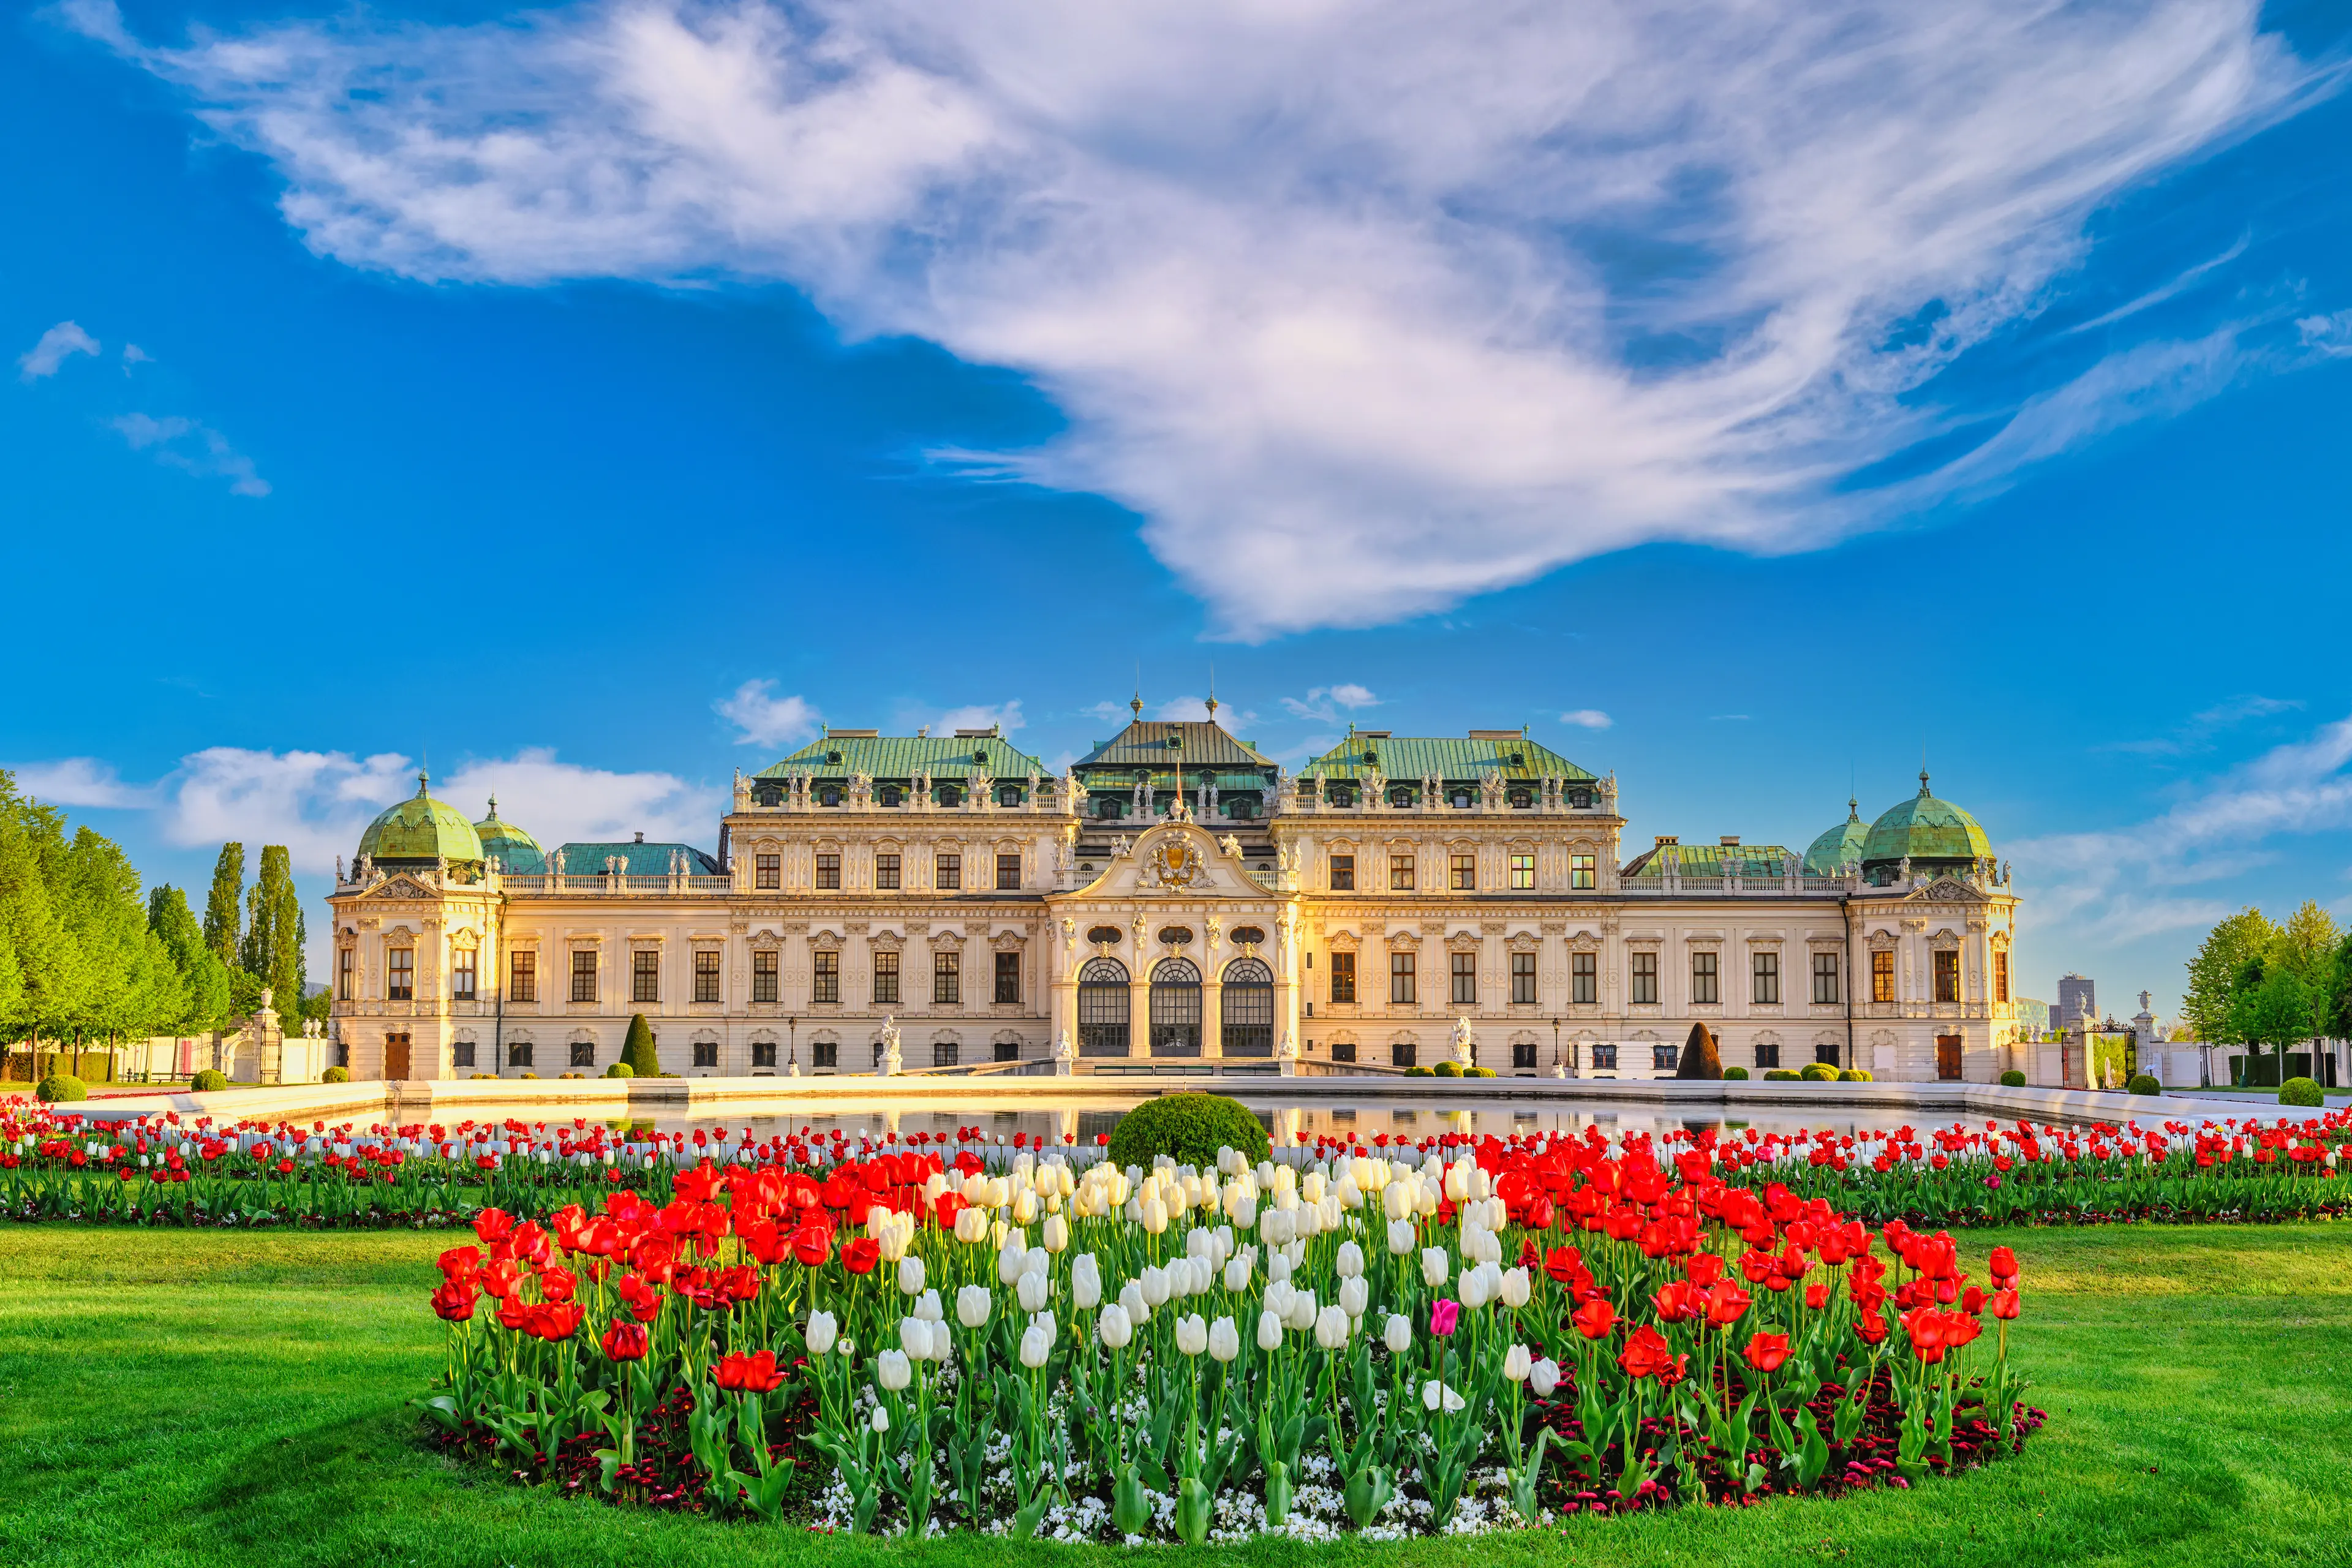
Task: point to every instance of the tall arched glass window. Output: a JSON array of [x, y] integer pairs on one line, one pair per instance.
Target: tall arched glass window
[[1175, 1008], [1245, 1009], [1102, 1008]]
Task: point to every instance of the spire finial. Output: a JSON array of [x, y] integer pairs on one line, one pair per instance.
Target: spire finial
[[1854, 809], [1213, 691], [423, 779], [494, 807], [1923, 777]]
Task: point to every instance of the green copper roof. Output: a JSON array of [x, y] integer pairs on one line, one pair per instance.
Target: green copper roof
[[901, 757], [1925, 829], [1712, 860], [1839, 845], [421, 828], [507, 845], [643, 859], [1404, 759], [1199, 744]]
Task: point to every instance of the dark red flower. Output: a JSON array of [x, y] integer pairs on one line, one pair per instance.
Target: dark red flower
[[625, 1341]]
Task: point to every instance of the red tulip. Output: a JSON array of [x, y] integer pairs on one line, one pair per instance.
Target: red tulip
[[753, 1373], [1766, 1351], [2003, 1264], [1817, 1296], [1677, 1301], [812, 1245], [557, 1284], [454, 1301], [1561, 1262], [1595, 1317], [860, 1256], [1726, 1302], [493, 1226], [555, 1322], [1646, 1355], [625, 1341], [460, 1262], [2004, 1304], [1702, 1268]]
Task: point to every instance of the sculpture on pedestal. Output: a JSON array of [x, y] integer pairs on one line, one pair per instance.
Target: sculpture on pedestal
[[1463, 1035], [887, 1064]]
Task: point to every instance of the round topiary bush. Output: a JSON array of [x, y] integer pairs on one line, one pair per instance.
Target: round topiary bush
[[2142, 1083], [1189, 1127], [2300, 1091], [620, 1069], [2013, 1078], [1416, 1072], [1819, 1072], [1478, 1072], [208, 1080], [527, 1075], [1780, 1075], [336, 1075], [65, 1086], [1448, 1069], [1735, 1072], [1854, 1075]]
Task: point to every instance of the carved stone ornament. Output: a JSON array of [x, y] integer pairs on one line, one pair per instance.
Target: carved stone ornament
[[1174, 863]]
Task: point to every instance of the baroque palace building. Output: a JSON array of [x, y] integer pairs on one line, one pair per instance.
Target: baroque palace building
[[1174, 901]]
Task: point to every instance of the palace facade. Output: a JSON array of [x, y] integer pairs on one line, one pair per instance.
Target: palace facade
[[1174, 902]]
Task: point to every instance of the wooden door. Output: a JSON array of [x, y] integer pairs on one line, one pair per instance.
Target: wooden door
[[395, 1057], [1947, 1055]]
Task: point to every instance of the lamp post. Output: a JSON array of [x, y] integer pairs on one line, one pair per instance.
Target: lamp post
[[1555, 1048], [791, 1037]]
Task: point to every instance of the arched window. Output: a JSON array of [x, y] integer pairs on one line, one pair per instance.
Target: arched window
[[1102, 1008], [1245, 1010], [1175, 1008]]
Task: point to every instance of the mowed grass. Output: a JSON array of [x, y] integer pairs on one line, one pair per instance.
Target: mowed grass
[[182, 1397]]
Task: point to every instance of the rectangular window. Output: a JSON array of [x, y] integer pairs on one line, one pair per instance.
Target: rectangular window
[[1581, 876], [1465, 970], [764, 976], [825, 980], [522, 977], [1523, 873], [1523, 1054], [767, 871], [1825, 979], [946, 1053], [461, 975], [1948, 975], [1343, 978], [706, 1053], [763, 1053], [583, 1053], [822, 1053], [886, 977], [1604, 1055], [828, 871], [1007, 1050], [1008, 977], [947, 979], [1008, 873], [1767, 979], [646, 969], [1523, 979], [885, 873], [1401, 869], [1882, 975], [518, 1053], [400, 974], [1343, 873], [345, 963], [1768, 1052], [705, 975], [1465, 873], [584, 976], [947, 873], [1404, 1054], [1704, 980], [461, 1053], [1584, 977], [1646, 979], [2000, 977], [1343, 1051], [1665, 1058], [1401, 987]]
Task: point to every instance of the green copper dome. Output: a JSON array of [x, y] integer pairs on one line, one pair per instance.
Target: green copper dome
[[421, 828], [1841, 846], [509, 846], [1925, 829]]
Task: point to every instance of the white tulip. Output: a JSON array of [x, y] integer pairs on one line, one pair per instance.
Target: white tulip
[[1398, 1201], [1471, 1288], [933, 1186], [1517, 1286], [1114, 1327], [910, 1274], [822, 1332], [942, 1340], [1312, 1186], [1130, 1296], [1518, 1363], [1278, 1293], [1152, 1215], [1482, 1185], [1403, 1237], [892, 1371], [1237, 1274], [1331, 1327], [1277, 1264], [1085, 1283], [915, 1338], [1058, 1233], [1192, 1334], [881, 1420], [1244, 1213], [1490, 1279], [1154, 1281], [1024, 1207], [1435, 1265], [1037, 1344], [974, 1191], [1543, 1377], [1031, 1291], [971, 1226], [972, 1306], [1355, 1295], [1351, 1260], [1457, 1181], [1013, 1261], [1398, 1333], [1434, 1392], [926, 1307], [1303, 1309], [1225, 1340], [1269, 1330]]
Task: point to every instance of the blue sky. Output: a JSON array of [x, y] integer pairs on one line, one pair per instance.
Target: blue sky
[[594, 399]]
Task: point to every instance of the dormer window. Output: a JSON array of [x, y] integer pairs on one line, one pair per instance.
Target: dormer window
[[770, 797], [1175, 743], [889, 795], [1009, 796], [980, 756], [1401, 797], [829, 796], [1581, 799], [833, 757], [1106, 809], [951, 796], [1461, 800], [1522, 800]]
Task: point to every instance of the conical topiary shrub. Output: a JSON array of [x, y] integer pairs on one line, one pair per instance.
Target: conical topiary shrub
[[1700, 1058], [638, 1051]]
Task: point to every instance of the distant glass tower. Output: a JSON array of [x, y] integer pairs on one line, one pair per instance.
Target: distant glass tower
[[2077, 1000]]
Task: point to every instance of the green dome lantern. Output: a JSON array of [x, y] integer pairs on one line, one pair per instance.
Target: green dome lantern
[[1841, 846], [1933, 835], [509, 846], [421, 830]]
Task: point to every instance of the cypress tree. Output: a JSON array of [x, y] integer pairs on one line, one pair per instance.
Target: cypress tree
[[1700, 1058], [201, 970], [223, 931], [273, 932], [638, 1051]]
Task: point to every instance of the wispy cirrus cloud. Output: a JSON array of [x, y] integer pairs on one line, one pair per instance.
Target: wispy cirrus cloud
[[1323, 703], [1363, 308], [56, 346], [2200, 730], [1587, 719], [191, 447]]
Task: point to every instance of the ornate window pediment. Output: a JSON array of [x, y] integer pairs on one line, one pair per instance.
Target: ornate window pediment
[[1009, 941], [945, 940], [885, 941], [1463, 942], [1401, 940], [825, 942], [1878, 941], [1342, 941], [1525, 942]]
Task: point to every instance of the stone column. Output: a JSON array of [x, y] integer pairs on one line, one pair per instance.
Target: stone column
[[1138, 1008]]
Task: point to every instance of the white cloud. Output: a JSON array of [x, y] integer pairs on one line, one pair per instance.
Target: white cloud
[[559, 802], [2329, 335], [133, 354], [2198, 733], [1588, 717], [193, 447], [58, 344], [1364, 308], [767, 720], [82, 781], [1195, 710], [1324, 702], [980, 717]]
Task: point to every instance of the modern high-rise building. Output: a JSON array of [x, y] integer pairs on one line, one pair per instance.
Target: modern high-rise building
[[2078, 1000]]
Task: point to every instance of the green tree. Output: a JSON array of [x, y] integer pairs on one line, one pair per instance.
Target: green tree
[[223, 929], [638, 1051], [2339, 992], [2306, 948], [51, 977], [138, 991], [2273, 1008], [273, 930], [2213, 974], [201, 970]]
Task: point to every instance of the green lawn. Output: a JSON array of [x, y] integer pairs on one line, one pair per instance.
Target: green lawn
[[199, 1397]]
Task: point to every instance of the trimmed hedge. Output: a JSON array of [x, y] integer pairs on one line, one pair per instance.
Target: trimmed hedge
[[2300, 1091], [1740, 1073], [1478, 1072], [1448, 1069], [1818, 1072], [1189, 1127], [1699, 1057], [1780, 1075], [336, 1075], [1855, 1074], [1417, 1072], [638, 1051], [2144, 1083], [209, 1081], [61, 1085], [620, 1069], [2013, 1078]]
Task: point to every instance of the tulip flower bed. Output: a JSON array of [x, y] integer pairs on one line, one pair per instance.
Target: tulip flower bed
[[162, 1170], [909, 1342]]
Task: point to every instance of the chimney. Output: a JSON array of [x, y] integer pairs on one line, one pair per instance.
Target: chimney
[[641, 839], [1731, 841]]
